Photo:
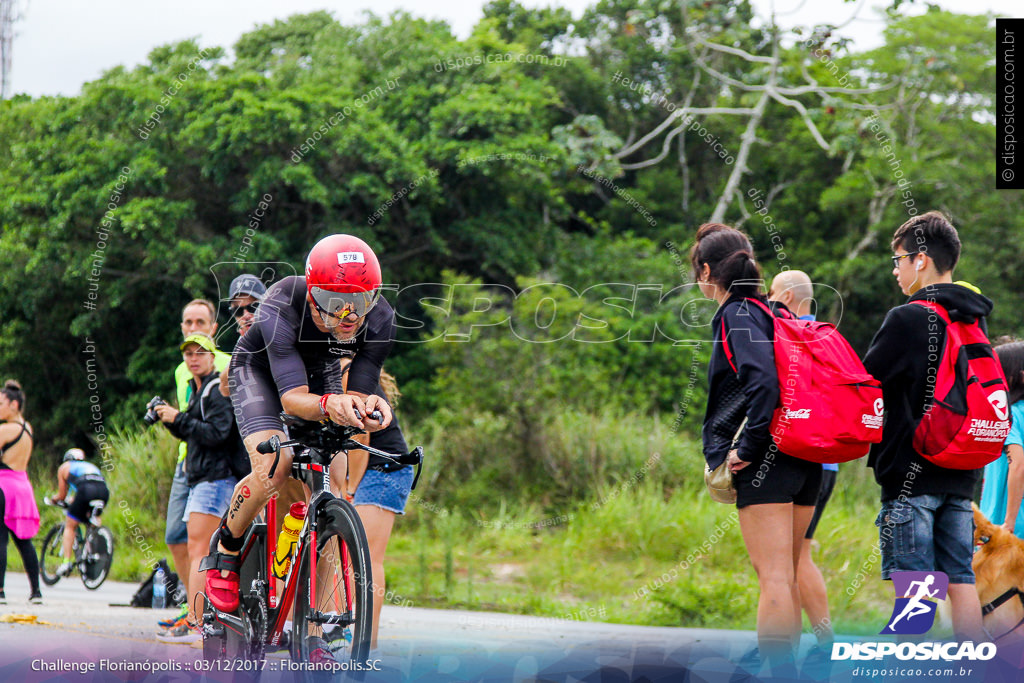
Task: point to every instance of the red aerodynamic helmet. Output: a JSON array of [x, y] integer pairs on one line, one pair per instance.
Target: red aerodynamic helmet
[[343, 276]]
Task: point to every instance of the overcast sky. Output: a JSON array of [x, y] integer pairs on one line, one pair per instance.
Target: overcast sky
[[61, 44]]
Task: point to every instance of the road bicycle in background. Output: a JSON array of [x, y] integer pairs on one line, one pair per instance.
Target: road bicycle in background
[[93, 548], [325, 609]]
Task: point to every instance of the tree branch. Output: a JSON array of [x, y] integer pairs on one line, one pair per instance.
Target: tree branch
[[795, 104], [661, 155], [678, 113], [733, 51]]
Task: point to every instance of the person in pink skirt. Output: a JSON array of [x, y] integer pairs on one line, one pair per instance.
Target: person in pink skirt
[[18, 512]]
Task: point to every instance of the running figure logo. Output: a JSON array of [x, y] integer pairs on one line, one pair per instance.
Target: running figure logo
[[916, 593]]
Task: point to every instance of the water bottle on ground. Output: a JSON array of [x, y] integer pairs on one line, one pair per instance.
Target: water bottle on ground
[[159, 589]]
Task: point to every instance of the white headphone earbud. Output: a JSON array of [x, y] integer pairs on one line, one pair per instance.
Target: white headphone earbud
[[918, 266]]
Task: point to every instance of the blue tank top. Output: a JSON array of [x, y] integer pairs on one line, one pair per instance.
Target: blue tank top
[[82, 471]]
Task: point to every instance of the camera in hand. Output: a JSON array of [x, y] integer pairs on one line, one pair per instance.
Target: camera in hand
[[151, 418]]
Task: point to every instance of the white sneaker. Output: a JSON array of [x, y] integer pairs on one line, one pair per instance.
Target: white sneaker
[[65, 569]]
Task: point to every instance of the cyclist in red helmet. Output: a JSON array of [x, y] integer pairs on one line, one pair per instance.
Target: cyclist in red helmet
[[289, 360]]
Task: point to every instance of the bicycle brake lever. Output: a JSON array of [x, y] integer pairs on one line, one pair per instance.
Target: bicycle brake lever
[[269, 446]]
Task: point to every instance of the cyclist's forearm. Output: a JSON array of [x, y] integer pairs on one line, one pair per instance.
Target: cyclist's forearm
[[301, 403], [62, 489]]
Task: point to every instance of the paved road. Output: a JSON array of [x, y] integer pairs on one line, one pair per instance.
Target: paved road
[[85, 639], [83, 627]]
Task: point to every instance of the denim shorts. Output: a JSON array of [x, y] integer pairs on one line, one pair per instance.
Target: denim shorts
[[176, 533], [210, 497], [927, 533], [387, 490]]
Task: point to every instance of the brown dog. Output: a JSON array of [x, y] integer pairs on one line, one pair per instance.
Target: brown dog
[[999, 575]]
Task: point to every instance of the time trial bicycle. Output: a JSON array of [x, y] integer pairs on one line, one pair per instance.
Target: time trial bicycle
[[327, 595], [93, 549]]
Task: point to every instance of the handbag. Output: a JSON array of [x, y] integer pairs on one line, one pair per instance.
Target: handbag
[[719, 483], [719, 480]]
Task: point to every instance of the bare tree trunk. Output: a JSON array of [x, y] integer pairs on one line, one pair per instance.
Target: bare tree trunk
[[740, 167]]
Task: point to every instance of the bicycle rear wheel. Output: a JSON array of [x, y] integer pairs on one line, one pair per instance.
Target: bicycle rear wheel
[[50, 555], [343, 595], [97, 556]]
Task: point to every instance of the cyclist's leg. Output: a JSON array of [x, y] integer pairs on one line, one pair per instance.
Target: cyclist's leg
[[257, 409], [249, 496], [252, 493], [70, 526]]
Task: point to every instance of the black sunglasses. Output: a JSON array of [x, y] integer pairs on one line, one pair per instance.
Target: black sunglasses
[[239, 311]]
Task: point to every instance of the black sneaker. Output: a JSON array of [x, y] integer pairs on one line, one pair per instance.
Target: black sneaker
[[3, 598], [36, 598]]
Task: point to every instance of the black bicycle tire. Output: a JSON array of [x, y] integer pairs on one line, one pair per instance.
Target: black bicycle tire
[[51, 578], [108, 561], [337, 518]]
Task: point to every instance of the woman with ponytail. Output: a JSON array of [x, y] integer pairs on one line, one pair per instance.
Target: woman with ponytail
[[775, 493], [19, 516]]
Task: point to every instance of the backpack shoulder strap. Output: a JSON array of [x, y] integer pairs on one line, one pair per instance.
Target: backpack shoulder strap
[[725, 340], [938, 308]]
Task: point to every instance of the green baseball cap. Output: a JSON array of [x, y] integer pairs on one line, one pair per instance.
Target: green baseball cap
[[201, 339]]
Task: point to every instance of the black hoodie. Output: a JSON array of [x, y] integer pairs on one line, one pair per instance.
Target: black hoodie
[[207, 426], [899, 359]]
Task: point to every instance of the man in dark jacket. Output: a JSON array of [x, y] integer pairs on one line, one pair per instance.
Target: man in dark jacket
[[926, 522], [216, 459]]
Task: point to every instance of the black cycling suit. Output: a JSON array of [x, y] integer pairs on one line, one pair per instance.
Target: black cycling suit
[[87, 484], [284, 350]]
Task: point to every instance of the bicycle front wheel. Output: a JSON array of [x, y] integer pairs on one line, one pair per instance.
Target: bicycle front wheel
[[97, 556], [338, 617], [51, 556]]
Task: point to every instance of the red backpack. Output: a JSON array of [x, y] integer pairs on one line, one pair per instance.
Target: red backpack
[[968, 419], [830, 409]]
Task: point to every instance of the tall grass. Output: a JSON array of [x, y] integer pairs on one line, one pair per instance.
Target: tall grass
[[618, 527], [643, 543]]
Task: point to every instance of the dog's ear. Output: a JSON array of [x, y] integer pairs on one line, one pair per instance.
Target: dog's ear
[[982, 527]]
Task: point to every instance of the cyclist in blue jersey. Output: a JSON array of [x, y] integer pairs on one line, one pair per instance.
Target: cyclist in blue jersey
[[84, 481]]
